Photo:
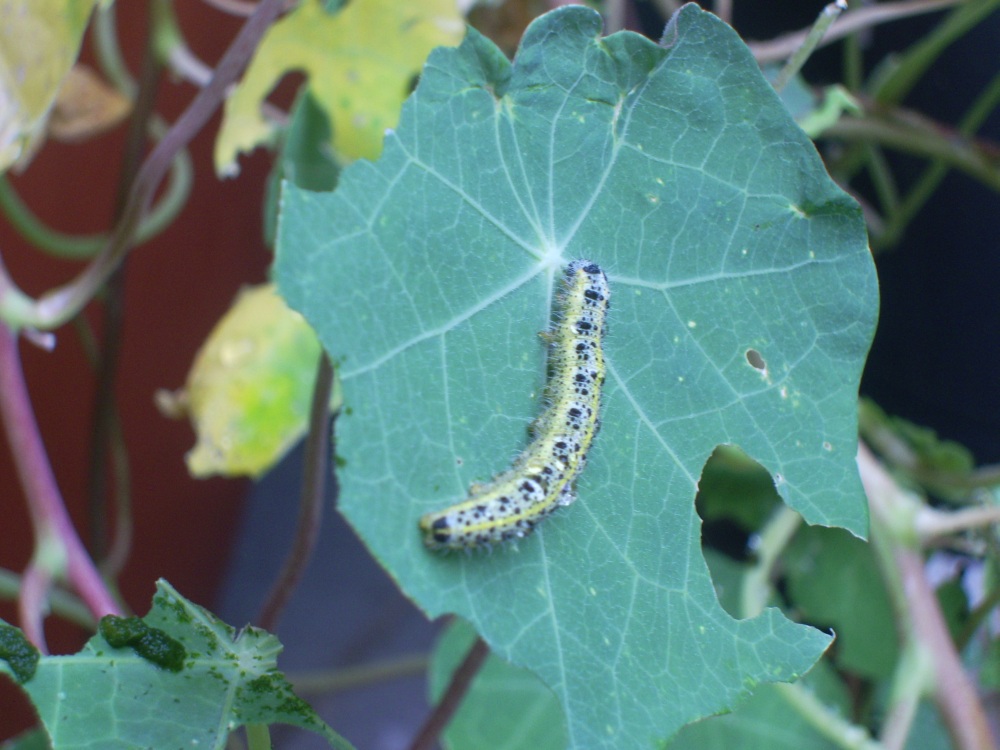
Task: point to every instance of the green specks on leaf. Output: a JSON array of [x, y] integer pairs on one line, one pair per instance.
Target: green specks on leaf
[[114, 699]]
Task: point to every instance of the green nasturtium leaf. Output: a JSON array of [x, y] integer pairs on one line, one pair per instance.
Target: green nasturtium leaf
[[130, 697], [39, 41], [743, 301], [360, 62], [250, 387]]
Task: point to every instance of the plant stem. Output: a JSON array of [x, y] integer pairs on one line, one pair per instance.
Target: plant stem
[[350, 678], [314, 473], [912, 133], [51, 522], [826, 17], [105, 413], [826, 720], [856, 20], [911, 66], [81, 247], [756, 588], [61, 602], [461, 680], [917, 610]]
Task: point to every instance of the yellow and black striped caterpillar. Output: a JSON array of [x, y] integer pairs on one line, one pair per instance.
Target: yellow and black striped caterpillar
[[542, 478]]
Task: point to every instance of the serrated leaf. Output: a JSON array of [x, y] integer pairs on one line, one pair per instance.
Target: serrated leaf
[[743, 304], [360, 63], [106, 698], [39, 40], [250, 387]]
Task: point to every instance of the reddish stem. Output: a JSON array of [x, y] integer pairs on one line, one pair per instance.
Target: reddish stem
[[51, 522]]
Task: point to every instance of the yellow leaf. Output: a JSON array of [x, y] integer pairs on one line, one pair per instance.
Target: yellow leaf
[[360, 62], [249, 390], [86, 106], [39, 41]]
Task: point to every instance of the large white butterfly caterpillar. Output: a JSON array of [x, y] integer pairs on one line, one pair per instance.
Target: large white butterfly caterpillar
[[542, 477]]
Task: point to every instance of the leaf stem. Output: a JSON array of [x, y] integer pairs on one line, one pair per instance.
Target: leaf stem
[[912, 64], [314, 473], [461, 680], [50, 520], [63, 603], [917, 609], [812, 40], [350, 678], [912, 133], [826, 720], [102, 435], [781, 47], [756, 586]]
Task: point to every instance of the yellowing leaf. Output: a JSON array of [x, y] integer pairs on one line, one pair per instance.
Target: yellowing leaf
[[86, 106], [39, 40], [249, 390], [360, 63]]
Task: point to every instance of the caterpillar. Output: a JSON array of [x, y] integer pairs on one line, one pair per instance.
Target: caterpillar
[[542, 478]]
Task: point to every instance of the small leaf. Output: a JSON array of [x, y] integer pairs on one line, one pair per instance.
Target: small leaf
[[360, 62], [116, 699], [249, 390]]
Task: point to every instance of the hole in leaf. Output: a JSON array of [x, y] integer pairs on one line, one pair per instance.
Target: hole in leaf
[[736, 497], [756, 361]]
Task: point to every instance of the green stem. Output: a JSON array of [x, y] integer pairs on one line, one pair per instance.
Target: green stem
[[58, 305], [80, 247], [258, 737], [985, 104], [826, 720], [826, 17], [910, 133], [351, 678], [918, 613], [912, 65], [61, 602], [109, 53], [773, 539]]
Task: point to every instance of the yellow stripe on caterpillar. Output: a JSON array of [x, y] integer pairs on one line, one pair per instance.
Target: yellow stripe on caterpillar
[[542, 478]]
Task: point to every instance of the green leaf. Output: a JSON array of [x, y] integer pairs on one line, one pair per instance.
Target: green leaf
[[834, 580], [39, 40], [360, 62], [128, 697], [743, 304]]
